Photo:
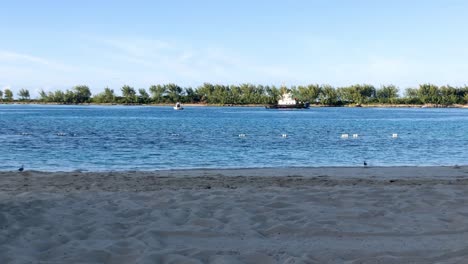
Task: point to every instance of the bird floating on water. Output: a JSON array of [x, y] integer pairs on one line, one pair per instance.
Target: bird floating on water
[[21, 168]]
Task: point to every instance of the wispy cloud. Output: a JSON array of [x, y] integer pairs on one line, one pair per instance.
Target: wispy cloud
[[179, 62], [15, 58], [7, 56], [138, 47], [21, 70]]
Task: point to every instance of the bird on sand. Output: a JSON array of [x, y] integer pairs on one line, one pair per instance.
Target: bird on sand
[[21, 168], [365, 164]]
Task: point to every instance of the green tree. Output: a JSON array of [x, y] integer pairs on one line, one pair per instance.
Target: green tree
[[346, 95], [368, 92], [463, 94], [449, 95], [174, 92], [82, 94], [236, 94], [205, 92], [247, 93], [107, 96], [272, 94], [429, 94], [1, 95], [309, 93], [129, 94], [283, 89], [70, 97], [255, 94], [293, 90], [191, 96], [144, 97], [43, 96], [412, 96], [387, 94], [221, 94], [259, 94], [158, 92], [328, 95], [57, 97], [23, 94], [8, 95], [360, 93]]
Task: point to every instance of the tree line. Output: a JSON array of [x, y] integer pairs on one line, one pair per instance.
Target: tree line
[[245, 94]]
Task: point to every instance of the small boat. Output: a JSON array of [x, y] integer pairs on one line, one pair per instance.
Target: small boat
[[178, 106], [287, 102]]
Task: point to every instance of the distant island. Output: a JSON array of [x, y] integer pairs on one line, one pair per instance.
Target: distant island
[[365, 95]]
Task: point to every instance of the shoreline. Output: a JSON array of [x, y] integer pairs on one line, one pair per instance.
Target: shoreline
[[139, 181], [458, 106], [338, 171]]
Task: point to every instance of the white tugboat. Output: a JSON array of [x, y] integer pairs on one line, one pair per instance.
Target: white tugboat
[[287, 102], [178, 106]]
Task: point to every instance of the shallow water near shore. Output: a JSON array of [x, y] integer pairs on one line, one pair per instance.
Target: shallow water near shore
[[121, 138]]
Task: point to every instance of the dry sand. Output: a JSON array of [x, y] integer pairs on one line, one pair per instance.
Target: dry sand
[[313, 215]]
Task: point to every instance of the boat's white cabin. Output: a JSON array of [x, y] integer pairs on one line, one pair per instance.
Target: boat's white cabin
[[286, 99]]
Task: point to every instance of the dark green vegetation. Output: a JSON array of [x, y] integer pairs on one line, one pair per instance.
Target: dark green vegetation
[[245, 94]]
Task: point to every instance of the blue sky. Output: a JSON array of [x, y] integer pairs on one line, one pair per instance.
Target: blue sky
[[58, 44]]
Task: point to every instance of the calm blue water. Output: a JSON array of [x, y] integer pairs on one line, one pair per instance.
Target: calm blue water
[[152, 138]]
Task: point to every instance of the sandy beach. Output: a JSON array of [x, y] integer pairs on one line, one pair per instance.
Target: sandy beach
[[300, 215]]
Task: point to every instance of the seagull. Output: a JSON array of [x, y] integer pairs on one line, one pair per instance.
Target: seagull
[[21, 168], [365, 164]]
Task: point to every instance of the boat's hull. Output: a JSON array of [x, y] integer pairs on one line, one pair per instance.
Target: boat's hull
[[178, 108]]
